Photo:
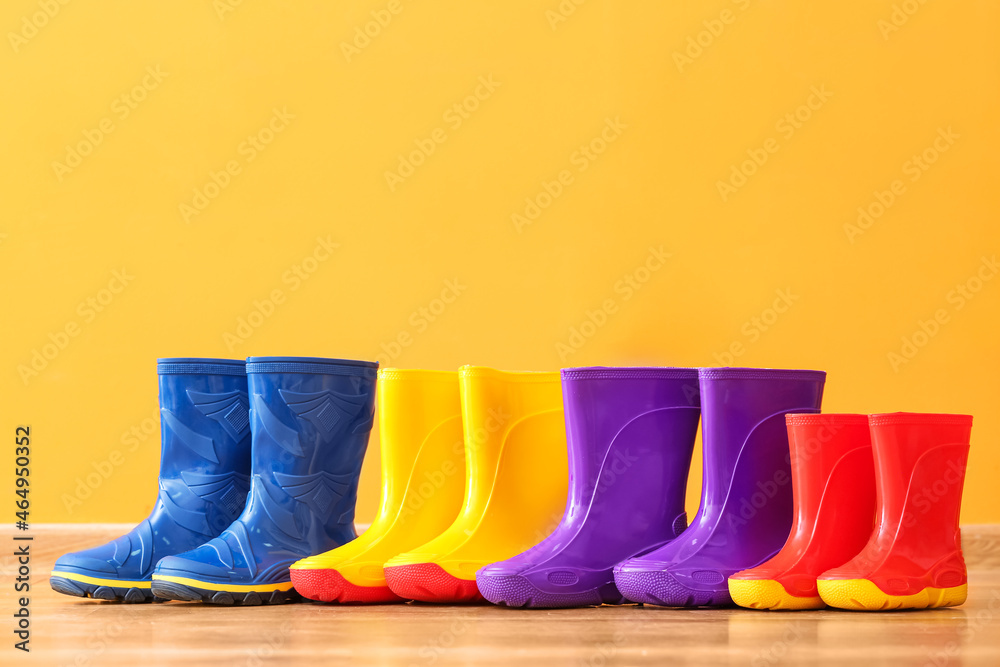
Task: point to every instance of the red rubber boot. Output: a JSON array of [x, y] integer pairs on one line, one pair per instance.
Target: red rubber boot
[[914, 557], [833, 491]]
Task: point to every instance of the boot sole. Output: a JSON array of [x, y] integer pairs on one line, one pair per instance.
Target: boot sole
[[661, 589], [327, 585], [428, 582], [769, 594], [192, 590], [864, 595], [109, 590], [518, 592]]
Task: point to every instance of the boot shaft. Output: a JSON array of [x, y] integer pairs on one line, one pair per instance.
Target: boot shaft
[[495, 403], [831, 454], [743, 412], [204, 416], [311, 419], [205, 444], [920, 462], [913, 558], [515, 452], [609, 406], [421, 443]]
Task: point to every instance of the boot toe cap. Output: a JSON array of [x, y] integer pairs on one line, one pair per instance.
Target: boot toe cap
[[91, 563], [196, 564]]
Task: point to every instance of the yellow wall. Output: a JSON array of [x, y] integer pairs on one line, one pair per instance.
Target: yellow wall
[[299, 124]]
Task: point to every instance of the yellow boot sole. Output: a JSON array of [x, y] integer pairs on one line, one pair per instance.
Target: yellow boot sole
[[864, 595], [768, 594]]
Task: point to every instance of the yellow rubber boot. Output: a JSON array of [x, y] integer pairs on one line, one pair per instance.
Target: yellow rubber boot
[[423, 483], [516, 484]]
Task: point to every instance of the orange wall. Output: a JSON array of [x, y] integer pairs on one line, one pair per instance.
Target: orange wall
[[776, 183]]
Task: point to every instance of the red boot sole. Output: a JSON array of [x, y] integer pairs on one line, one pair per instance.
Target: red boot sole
[[428, 582], [330, 586]]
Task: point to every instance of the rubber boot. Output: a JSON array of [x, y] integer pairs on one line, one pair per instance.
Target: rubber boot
[[203, 483], [746, 499], [630, 434], [833, 491], [423, 480], [310, 419], [913, 559], [515, 490]]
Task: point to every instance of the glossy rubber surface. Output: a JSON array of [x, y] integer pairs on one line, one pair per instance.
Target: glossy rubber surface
[[328, 585], [630, 434], [423, 483], [203, 481], [770, 594], [516, 481], [429, 582], [746, 502], [865, 595], [310, 419], [914, 555], [833, 492]]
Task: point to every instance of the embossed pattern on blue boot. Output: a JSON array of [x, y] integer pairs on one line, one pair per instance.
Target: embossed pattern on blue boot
[[310, 419], [203, 483]]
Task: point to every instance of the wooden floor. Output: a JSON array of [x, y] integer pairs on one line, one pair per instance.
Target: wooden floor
[[72, 631]]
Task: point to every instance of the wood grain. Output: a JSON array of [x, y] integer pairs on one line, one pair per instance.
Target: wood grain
[[71, 631]]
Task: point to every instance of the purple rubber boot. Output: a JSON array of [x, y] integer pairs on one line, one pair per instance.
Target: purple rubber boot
[[746, 499], [630, 433]]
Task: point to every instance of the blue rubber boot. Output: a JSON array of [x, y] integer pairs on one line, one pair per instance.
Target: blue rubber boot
[[310, 419], [204, 480]]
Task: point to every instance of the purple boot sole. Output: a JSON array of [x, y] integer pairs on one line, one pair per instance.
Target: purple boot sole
[[630, 433], [518, 591], [662, 589]]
